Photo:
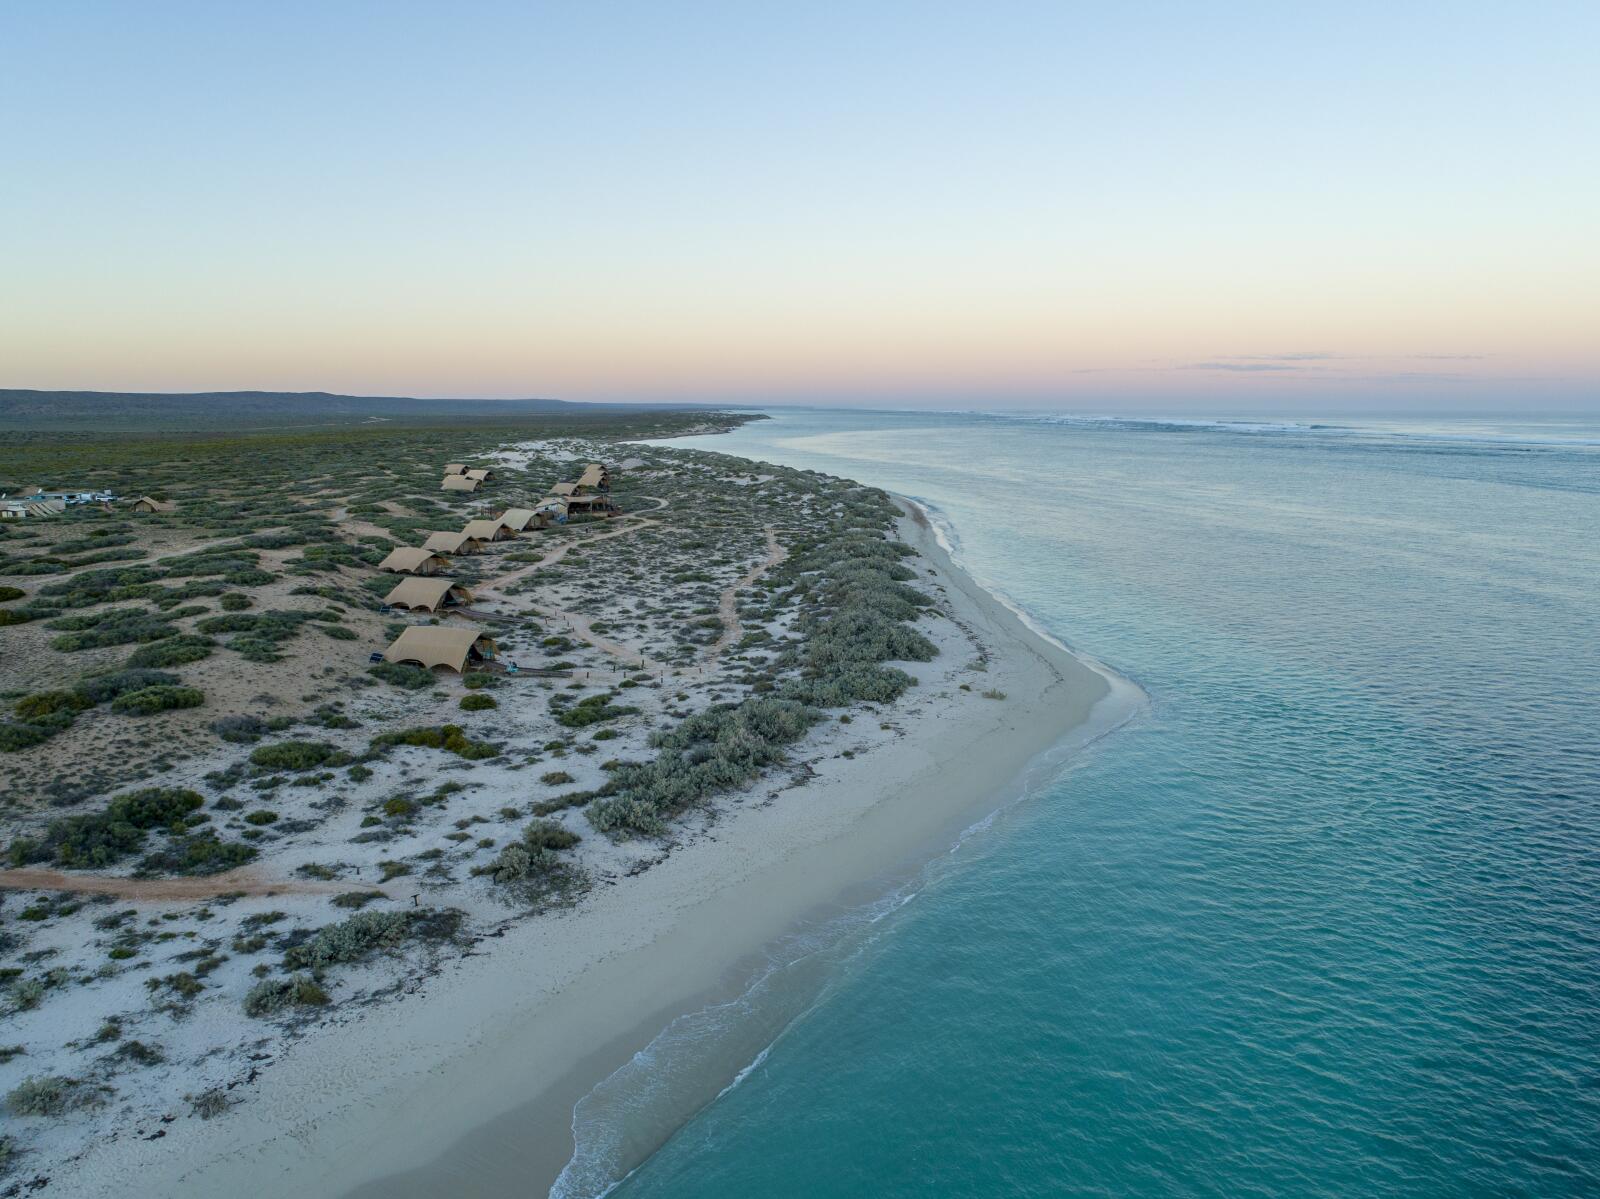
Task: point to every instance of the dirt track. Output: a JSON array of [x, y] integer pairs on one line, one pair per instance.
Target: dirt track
[[232, 882]]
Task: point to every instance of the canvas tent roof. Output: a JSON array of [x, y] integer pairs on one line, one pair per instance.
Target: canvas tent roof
[[594, 475], [452, 543], [459, 483], [410, 560], [145, 504], [436, 645], [485, 530], [564, 488], [453, 468], [480, 474], [518, 519], [427, 593]]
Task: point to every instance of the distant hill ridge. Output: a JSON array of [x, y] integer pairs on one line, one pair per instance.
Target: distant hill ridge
[[110, 410]]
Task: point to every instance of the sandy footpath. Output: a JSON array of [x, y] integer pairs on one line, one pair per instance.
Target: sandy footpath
[[402, 1099]]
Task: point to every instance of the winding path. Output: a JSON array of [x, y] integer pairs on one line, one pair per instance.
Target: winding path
[[728, 605]]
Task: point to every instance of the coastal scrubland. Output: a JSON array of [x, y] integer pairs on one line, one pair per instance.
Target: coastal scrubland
[[225, 827]]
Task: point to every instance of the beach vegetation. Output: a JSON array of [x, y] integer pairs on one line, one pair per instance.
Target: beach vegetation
[[102, 838], [297, 756], [271, 996], [449, 737], [161, 698]]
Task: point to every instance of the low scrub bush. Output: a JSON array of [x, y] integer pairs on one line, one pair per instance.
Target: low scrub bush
[[150, 700], [50, 1095], [102, 838], [17, 737], [534, 862], [298, 755], [349, 940], [102, 688], [202, 853], [272, 995], [10, 593], [118, 626], [477, 703], [397, 674], [240, 730], [43, 704], [174, 651], [721, 748], [449, 737], [592, 709]]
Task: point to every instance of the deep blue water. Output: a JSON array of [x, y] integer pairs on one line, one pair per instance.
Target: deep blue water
[[1324, 921]]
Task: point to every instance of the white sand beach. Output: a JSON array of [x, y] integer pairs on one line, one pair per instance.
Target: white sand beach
[[466, 1084]]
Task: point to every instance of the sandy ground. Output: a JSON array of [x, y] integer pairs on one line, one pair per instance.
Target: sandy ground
[[410, 1099]]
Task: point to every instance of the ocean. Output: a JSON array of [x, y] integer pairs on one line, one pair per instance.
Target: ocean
[[1323, 920]]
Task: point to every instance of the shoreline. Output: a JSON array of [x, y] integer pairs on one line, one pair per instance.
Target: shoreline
[[469, 1083]]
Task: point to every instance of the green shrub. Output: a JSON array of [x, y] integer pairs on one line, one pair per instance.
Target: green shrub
[[548, 834], [262, 816], [272, 995], [298, 755], [174, 651], [10, 593], [397, 674], [151, 700], [202, 853], [591, 709], [16, 737], [477, 703], [31, 708], [234, 601], [100, 688], [49, 1096], [356, 899], [118, 626], [102, 838], [718, 749], [240, 730], [349, 940], [449, 737]]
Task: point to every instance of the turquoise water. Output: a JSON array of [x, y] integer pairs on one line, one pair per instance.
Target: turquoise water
[[1324, 921]]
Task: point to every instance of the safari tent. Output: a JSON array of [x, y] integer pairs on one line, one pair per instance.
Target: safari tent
[[459, 483], [436, 645], [519, 520], [453, 468], [21, 509], [482, 476], [145, 504], [594, 478], [564, 489], [410, 561], [594, 505], [427, 595], [487, 530], [453, 543]]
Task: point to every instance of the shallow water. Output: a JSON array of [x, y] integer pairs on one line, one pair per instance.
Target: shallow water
[[1322, 922]]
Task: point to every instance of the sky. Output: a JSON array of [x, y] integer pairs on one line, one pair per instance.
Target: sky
[[1213, 207]]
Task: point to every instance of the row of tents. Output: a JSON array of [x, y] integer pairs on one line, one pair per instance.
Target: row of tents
[[437, 645], [458, 478]]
